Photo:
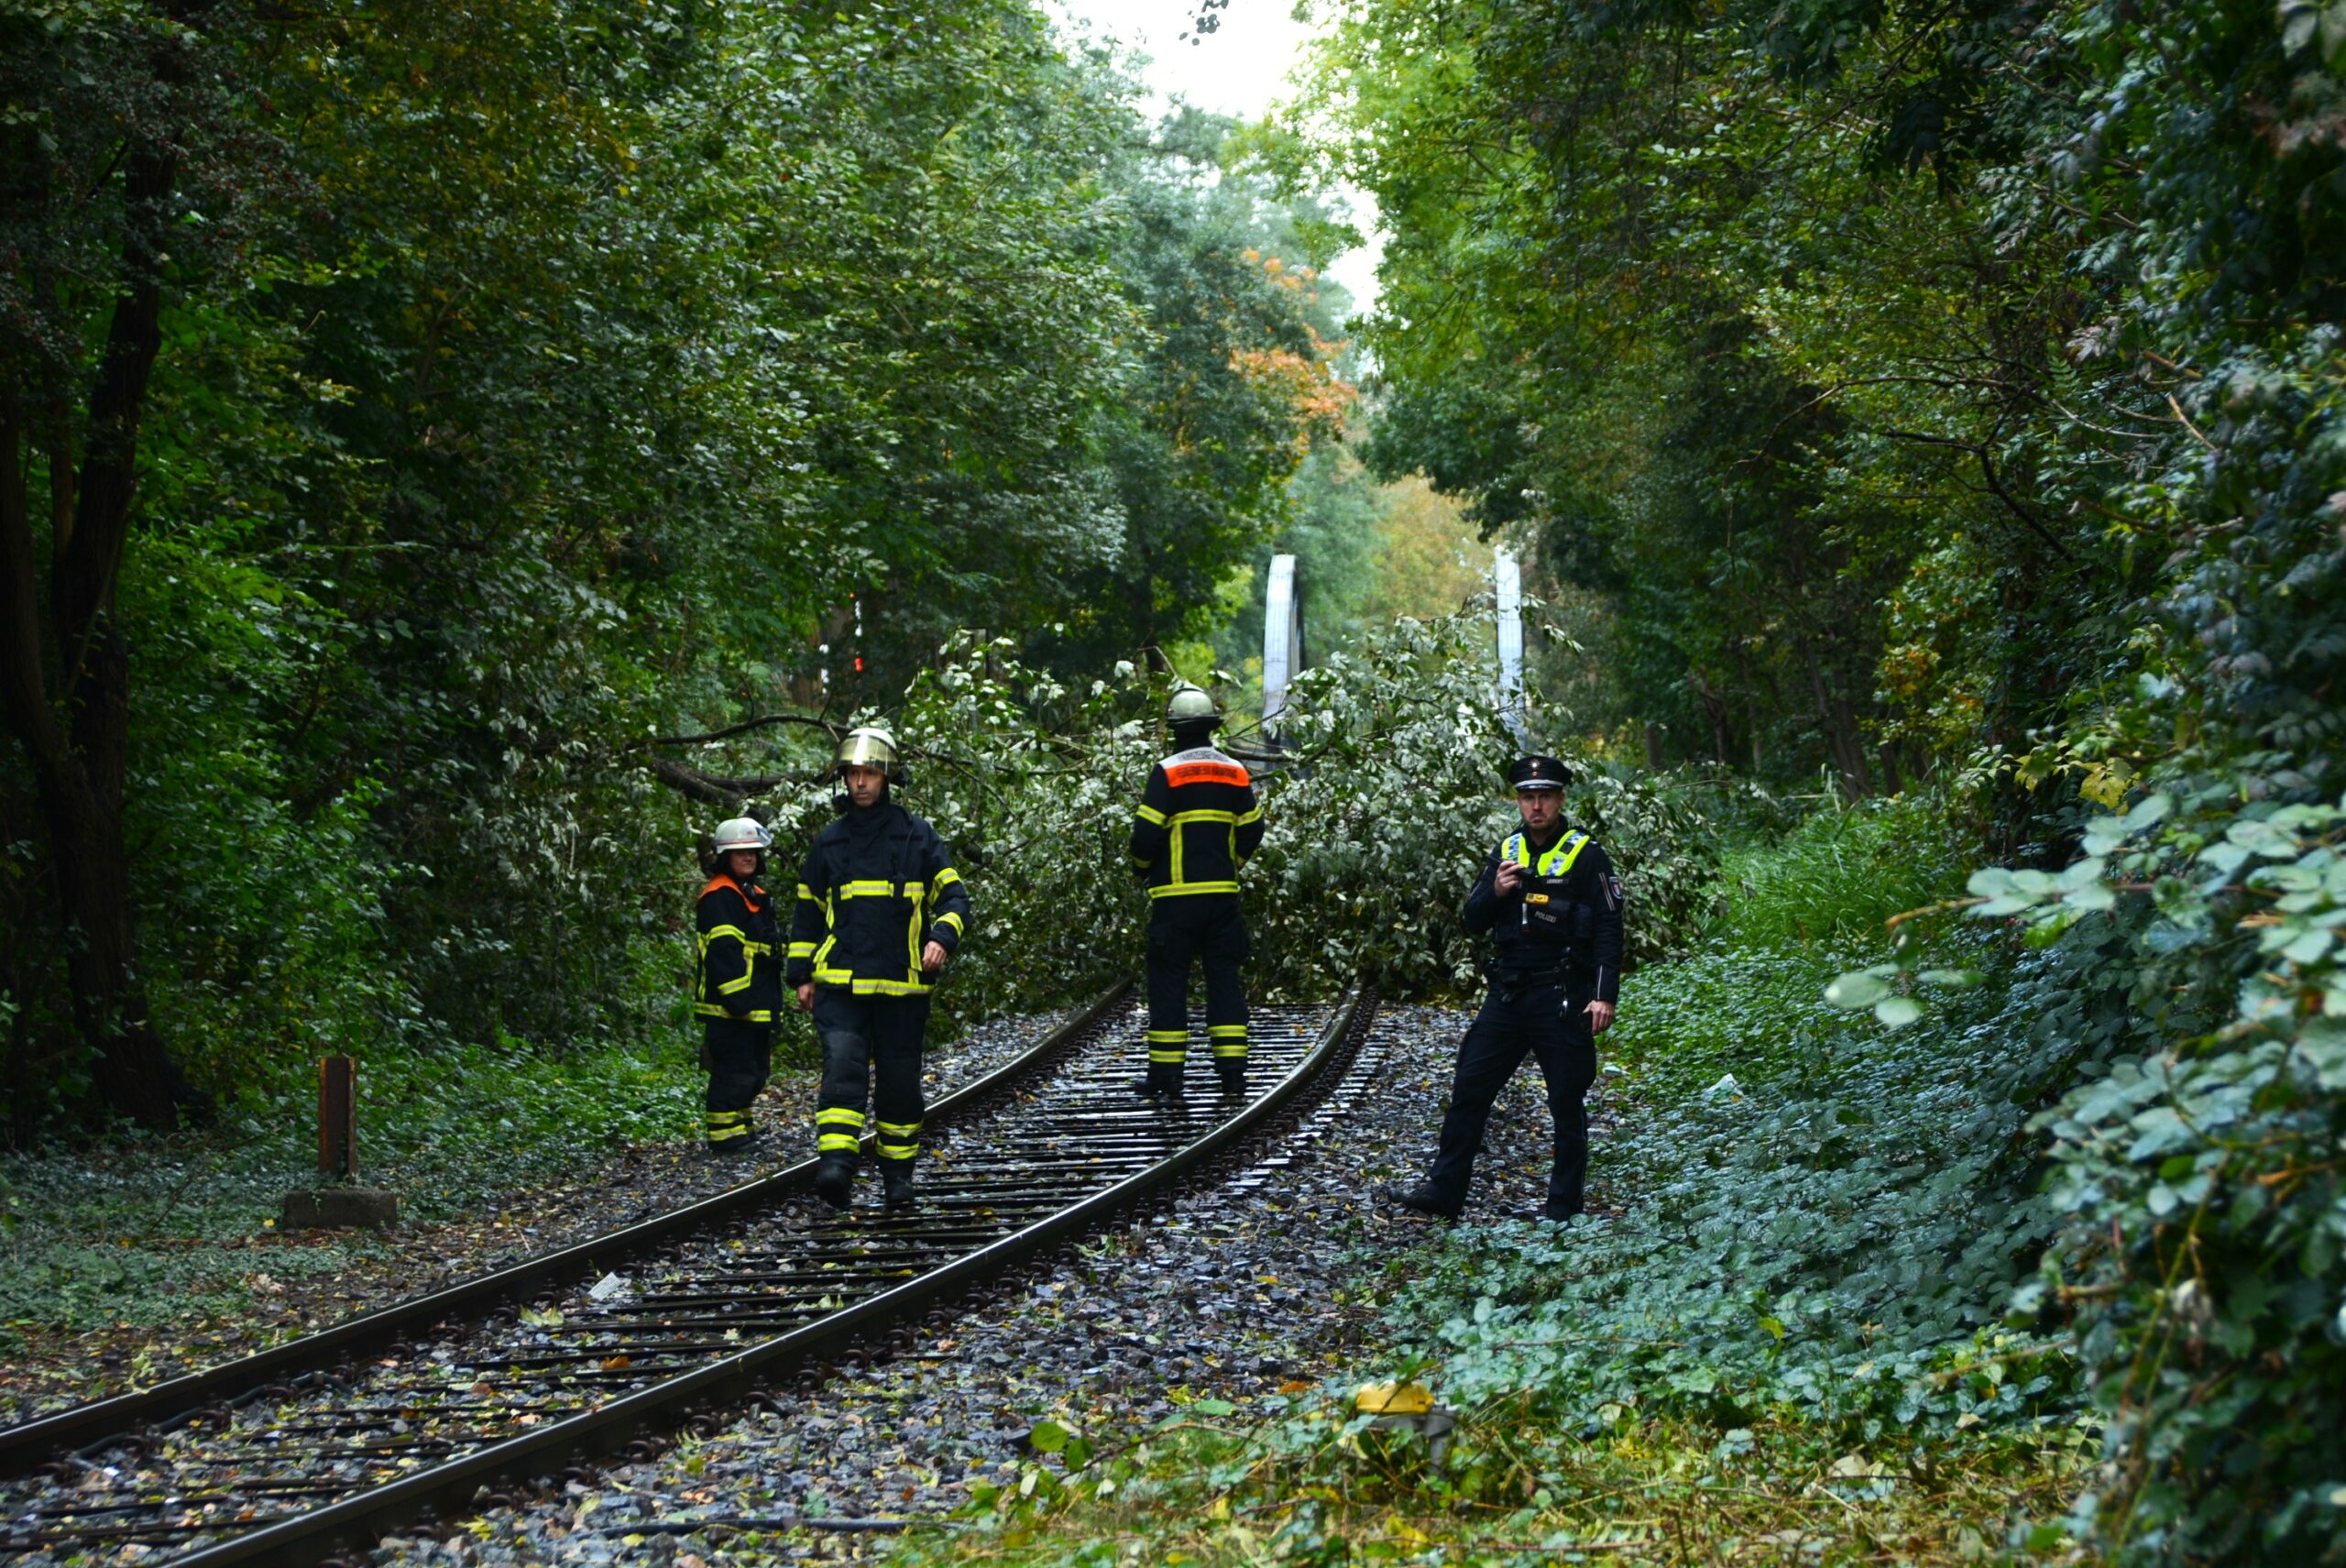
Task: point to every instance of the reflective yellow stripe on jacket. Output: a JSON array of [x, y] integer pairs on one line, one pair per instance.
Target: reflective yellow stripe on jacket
[[751, 952]]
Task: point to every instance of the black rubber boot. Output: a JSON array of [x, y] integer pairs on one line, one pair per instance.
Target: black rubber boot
[[835, 1180], [1164, 1078], [733, 1148], [897, 1182], [1234, 1074], [1423, 1198]]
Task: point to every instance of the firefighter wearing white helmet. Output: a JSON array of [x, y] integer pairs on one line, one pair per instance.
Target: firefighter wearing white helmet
[[880, 910], [1196, 825], [739, 994]]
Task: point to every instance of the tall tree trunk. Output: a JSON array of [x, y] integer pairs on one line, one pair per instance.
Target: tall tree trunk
[[80, 767], [1839, 722], [1714, 703]]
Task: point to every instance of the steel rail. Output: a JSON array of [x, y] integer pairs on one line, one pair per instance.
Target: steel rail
[[563, 1389], [446, 1490], [29, 1444]]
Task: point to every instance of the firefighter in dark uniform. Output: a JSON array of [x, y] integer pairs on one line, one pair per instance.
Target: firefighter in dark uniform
[[1196, 825], [880, 910], [738, 990], [1550, 901]]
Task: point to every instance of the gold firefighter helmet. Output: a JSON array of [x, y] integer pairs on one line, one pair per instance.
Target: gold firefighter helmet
[[870, 746]]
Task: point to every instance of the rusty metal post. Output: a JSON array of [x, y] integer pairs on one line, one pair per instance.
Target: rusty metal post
[[337, 1117]]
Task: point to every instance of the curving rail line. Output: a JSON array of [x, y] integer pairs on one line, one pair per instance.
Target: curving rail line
[[409, 1414]]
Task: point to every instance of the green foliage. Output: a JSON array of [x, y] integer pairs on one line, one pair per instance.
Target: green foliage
[[1669, 425], [1378, 813], [1841, 873], [1339, 514], [544, 384], [1823, 1217], [1314, 1483], [1997, 429], [2203, 1208], [1235, 386]]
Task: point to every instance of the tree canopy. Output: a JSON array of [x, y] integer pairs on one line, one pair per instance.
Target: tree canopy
[[419, 424], [1954, 391]]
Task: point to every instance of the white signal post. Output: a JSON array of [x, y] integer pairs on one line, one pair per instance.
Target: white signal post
[[1282, 639], [1506, 578]]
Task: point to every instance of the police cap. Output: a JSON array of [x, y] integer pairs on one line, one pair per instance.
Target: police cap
[[1538, 772]]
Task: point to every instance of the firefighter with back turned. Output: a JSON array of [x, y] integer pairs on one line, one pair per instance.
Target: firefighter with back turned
[[1196, 825], [1549, 898], [880, 910]]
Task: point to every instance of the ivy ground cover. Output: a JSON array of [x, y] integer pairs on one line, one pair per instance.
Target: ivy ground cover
[[1782, 1335]]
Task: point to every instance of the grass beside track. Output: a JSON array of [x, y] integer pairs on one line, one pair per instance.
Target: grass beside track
[[124, 1265], [1780, 1339]]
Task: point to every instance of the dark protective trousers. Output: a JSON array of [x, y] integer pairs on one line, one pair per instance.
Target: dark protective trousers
[[739, 1056], [1545, 1021], [1205, 925], [871, 1046]]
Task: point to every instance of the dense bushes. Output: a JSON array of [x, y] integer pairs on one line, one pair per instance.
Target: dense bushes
[[1386, 792], [1840, 874], [2202, 1211], [1815, 1212]]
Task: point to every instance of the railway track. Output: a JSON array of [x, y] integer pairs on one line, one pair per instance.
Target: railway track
[[410, 1416]]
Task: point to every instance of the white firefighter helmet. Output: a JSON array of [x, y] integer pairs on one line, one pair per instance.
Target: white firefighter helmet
[[741, 833], [1188, 705]]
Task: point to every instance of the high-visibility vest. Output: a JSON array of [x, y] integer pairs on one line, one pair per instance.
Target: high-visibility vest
[[1556, 862]]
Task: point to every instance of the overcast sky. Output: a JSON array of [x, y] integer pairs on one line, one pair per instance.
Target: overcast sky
[[1240, 68]]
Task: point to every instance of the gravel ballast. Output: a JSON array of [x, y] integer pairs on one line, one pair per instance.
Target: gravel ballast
[[1250, 1289], [49, 1371], [1247, 1292]]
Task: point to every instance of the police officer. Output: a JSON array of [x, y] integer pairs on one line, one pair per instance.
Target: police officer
[[880, 910], [1196, 825], [1552, 905], [739, 988]]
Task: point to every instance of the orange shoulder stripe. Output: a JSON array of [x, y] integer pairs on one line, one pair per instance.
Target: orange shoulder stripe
[[1206, 773], [757, 902]]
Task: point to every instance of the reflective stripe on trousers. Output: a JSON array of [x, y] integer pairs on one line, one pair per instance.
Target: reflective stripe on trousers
[[871, 1052], [1209, 930], [838, 1128], [899, 1140]]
